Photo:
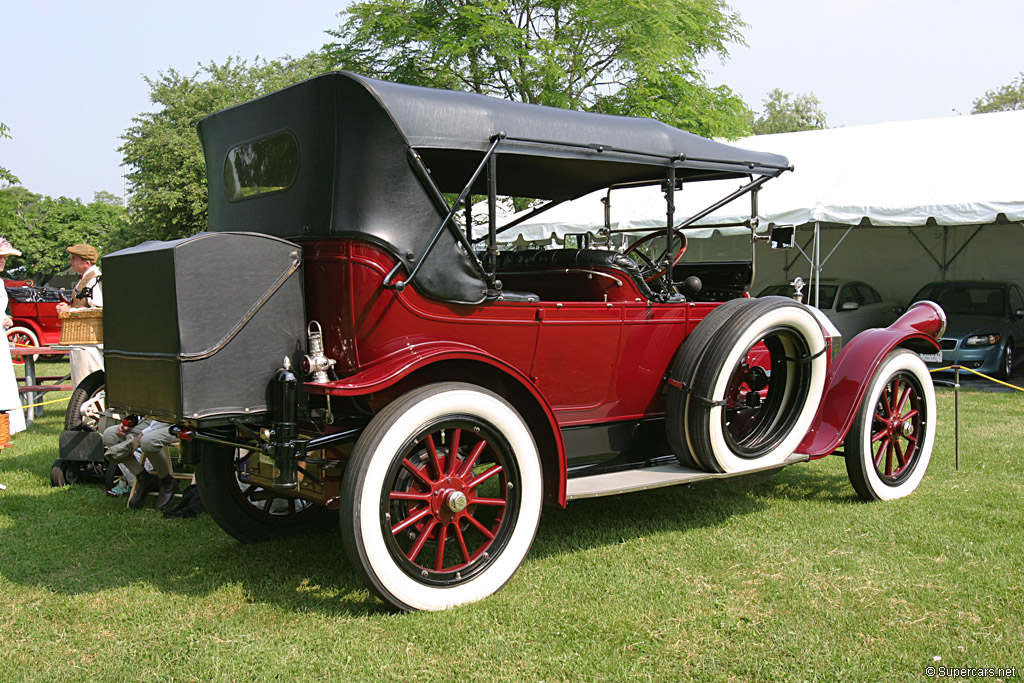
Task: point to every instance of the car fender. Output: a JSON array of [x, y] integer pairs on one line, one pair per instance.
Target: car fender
[[847, 380], [30, 324], [393, 368]]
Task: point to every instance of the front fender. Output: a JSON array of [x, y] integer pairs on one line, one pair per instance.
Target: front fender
[[847, 380]]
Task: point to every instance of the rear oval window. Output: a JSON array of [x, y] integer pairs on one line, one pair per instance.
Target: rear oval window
[[261, 166]]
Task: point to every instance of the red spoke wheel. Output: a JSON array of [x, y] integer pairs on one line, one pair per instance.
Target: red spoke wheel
[[890, 443], [21, 337], [441, 497]]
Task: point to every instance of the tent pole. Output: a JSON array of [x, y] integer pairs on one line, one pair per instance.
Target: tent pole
[[817, 264]]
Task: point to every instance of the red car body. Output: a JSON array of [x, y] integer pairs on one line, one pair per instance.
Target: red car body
[[448, 388], [34, 311]]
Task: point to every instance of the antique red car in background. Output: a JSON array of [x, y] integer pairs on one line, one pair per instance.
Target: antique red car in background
[[448, 390], [34, 310]]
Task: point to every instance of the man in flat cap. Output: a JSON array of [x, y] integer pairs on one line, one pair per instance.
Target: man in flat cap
[[87, 293]]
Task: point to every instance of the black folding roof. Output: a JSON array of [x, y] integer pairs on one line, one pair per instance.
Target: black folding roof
[[354, 136]]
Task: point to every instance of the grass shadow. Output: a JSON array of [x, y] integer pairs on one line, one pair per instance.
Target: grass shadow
[[75, 540]]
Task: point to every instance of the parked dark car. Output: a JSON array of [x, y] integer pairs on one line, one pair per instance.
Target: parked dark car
[[985, 325], [448, 390], [851, 305]]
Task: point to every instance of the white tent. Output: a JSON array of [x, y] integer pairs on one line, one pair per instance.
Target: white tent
[[931, 199]]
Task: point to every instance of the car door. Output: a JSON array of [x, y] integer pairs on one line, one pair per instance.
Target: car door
[[877, 313]]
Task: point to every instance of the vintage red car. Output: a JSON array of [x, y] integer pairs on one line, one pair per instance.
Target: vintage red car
[[34, 310], [448, 390]]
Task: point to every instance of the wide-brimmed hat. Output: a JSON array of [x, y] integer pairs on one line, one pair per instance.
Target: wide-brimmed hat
[[86, 251], [6, 249]]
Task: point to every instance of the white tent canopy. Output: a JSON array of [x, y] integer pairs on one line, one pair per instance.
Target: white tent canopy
[[957, 172]]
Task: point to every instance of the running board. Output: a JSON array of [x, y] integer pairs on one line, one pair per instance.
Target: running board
[[644, 478]]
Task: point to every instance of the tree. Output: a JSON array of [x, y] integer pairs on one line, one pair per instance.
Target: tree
[[632, 57], [167, 175], [784, 113], [1005, 98], [41, 227], [6, 177]]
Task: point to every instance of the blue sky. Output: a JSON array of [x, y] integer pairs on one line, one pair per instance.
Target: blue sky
[[71, 79]]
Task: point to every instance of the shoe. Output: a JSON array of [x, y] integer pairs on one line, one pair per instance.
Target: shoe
[[168, 487], [119, 490], [144, 483]]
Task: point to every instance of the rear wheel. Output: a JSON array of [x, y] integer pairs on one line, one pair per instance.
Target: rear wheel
[[21, 337], [890, 443], [250, 512], [441, 498]]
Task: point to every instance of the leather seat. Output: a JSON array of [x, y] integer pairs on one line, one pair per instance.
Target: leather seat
[[552, 259]]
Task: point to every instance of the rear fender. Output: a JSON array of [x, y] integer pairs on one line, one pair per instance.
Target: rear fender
[[848, 378], [419, 359]]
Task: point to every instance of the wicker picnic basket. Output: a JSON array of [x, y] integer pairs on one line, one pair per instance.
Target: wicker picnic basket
[[81, 326]]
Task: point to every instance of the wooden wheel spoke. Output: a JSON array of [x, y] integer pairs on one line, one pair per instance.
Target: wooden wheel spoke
[[421, 540], [411, 519], [461, 542], [453, 451], [432, 455], [442, 536], [410, 495], [901, 458], [480, 527], [904, 397], [882, 448], [487, 501], [467, 466], [880, 435], [476, 481], [416, 472]]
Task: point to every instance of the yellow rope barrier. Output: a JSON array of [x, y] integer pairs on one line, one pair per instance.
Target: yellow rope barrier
[[34, 405], [992, 379]]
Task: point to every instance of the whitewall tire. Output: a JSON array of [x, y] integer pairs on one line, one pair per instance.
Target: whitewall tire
[[441, 498]]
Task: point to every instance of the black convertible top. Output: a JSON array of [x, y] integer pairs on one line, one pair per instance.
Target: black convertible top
[[356, 172]]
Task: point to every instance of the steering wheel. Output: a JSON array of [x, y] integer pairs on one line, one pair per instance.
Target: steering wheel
[[649, 267]]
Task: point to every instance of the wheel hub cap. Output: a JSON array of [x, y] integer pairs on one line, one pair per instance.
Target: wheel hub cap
[[456, 501]]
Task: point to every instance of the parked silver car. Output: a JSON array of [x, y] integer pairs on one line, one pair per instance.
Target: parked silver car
[[852, 306]]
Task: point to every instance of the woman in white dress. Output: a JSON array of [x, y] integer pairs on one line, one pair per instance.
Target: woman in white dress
[[9, 399]]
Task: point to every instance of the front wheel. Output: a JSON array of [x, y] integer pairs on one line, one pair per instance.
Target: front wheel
[[890, 443], [1006, 367], [441, 498]]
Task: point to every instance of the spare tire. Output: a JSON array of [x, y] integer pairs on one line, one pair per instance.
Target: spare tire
[[680, 377], [750, 407]]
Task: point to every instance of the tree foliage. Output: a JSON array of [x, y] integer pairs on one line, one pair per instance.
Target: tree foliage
[[6, 177], [167, 175], [633, 57], [41, 227], [785, 113], [1008, 97]]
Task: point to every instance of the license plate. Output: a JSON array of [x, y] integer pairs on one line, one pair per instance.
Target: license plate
[[932, 357]]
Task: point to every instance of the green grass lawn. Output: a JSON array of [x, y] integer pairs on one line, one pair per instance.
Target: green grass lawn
[[790, 579]]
